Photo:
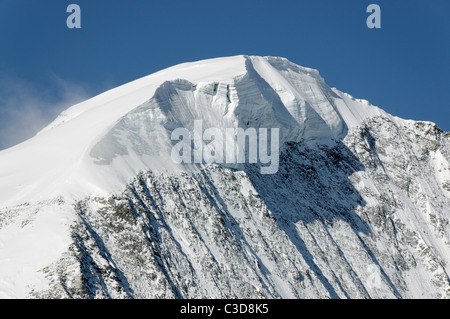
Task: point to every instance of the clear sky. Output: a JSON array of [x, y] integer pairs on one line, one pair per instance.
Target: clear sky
[[404, 67]]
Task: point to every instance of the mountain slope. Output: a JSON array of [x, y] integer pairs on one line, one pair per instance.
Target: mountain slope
[[94, 207]]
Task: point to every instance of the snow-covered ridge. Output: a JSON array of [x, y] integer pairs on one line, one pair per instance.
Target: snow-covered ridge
[[95, 147]]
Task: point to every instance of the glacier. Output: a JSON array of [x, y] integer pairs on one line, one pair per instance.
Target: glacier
[[94, 207]]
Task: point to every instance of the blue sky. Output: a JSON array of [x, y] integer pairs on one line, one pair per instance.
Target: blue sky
[[404, 67]]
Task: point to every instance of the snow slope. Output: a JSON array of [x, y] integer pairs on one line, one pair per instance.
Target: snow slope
[[57, 159]]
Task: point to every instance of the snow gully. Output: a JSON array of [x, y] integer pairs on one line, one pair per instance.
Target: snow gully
[[229, 145]]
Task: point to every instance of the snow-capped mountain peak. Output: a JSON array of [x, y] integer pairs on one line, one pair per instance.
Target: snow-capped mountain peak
[[97, 146], [95, 206]]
